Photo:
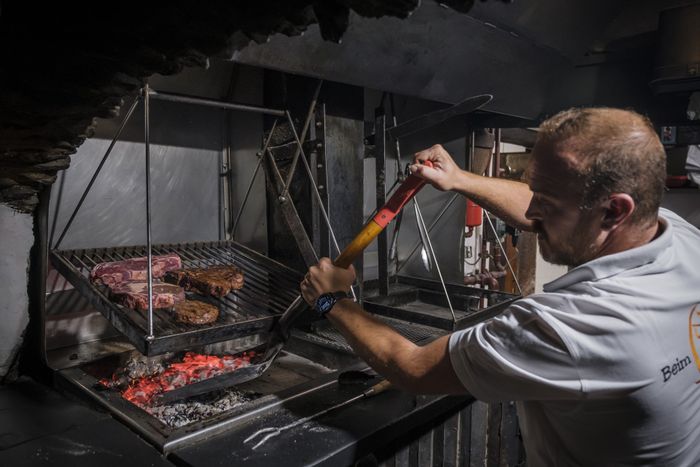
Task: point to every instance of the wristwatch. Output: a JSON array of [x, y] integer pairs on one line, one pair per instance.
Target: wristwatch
[[325, 302]]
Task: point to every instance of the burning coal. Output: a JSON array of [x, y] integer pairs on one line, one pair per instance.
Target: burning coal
[[140, 380], [193, 368]]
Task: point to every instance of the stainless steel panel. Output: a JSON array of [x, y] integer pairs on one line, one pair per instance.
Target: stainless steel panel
[[445, 236], [184, 174], [246, 140]]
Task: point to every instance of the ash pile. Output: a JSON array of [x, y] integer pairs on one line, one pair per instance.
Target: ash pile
[[195, 409]]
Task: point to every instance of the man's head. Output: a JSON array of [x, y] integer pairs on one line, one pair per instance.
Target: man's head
[[598, 176]]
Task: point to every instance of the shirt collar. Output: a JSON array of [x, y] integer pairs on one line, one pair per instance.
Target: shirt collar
[[609, 265]]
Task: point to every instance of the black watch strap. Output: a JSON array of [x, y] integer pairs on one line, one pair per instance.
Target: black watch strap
[[325, 302]]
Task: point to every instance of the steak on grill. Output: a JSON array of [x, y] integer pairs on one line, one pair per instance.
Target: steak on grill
[[134, 295], [134, 269], [217, 281], [196, 312]]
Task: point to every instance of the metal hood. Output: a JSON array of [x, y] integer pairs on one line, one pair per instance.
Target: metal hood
[[514, 51], [435, 54]]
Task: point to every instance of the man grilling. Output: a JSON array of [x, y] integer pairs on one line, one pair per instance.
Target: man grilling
[[603, 364]]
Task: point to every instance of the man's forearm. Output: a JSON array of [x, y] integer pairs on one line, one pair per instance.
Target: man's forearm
[[417, 369], [507, 199]]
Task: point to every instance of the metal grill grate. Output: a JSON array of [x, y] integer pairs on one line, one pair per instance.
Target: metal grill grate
[[269, 288], [325, 334]]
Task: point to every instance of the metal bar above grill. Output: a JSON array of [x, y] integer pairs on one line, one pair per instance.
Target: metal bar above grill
[[268, 289]]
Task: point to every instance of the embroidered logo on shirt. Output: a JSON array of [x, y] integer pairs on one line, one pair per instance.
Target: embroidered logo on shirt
[[694, 330]]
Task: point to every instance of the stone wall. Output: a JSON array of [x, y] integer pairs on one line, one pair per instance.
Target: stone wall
[[17, 238]]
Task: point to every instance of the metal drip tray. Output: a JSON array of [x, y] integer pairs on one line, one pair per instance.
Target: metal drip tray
[[269, 289], [293, 374]]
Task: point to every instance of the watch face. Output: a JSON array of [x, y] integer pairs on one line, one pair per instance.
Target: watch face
[[324, 303]]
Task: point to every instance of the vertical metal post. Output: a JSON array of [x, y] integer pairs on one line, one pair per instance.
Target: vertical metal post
[[146, 139], [380, 157], [320, 230]]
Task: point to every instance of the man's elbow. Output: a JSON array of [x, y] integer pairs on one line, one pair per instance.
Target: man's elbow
[[420, 374]]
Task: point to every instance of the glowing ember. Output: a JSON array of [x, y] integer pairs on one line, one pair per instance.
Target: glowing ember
[[193, 368]]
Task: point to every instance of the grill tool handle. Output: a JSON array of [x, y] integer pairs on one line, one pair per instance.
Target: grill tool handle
[[378, 388], [406, 191]]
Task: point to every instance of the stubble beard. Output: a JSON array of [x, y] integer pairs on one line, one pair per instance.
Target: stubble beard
[[573, 254]]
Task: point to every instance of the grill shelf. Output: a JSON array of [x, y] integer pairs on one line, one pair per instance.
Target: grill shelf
[[269, 289]]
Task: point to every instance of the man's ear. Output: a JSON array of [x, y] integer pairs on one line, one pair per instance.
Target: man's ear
[[616, 209]]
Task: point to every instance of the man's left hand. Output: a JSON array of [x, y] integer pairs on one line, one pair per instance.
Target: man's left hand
[[326, 278]]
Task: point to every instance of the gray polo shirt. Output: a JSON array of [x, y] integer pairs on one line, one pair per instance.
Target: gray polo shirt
[[605, 363]]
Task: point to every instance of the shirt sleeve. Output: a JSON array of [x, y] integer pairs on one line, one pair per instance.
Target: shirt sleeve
[[518, 355]]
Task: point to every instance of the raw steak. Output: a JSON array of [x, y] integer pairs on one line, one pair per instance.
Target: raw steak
[[134, 269], [216, 280], [196, 312], [134, 295]]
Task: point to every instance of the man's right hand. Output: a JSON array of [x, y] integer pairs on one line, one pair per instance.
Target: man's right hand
[[443, 174]]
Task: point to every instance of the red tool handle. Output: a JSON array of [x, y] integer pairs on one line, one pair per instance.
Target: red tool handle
[[398, 200], [374, 227]]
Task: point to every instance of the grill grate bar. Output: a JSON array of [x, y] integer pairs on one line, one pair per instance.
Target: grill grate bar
[[254, 300], [276, 276], [240, 294], [257, 286], [269, 287]]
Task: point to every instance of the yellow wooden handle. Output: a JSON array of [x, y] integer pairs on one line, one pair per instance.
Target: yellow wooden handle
[[378, 388], [361, 241]]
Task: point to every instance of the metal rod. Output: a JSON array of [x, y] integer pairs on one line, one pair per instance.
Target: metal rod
[[288, 211], [397, 145], [380, 197], [435, 261], [399, 176], [97, 171], [172, 97], [276, 171], [147, 141], [395, 238], [505, 255], [316, 193], [304, 130], [252, 179], [433, 224]]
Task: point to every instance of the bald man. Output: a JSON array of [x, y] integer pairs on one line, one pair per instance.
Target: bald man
[[603, 364]]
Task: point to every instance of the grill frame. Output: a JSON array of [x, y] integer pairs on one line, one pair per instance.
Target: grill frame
[[269, 288]]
